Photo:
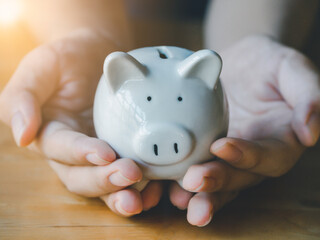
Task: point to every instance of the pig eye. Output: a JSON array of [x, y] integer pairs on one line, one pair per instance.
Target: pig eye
[[149, 98], [180, 99]]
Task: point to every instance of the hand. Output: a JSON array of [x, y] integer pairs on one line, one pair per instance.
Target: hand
[[48, 102], [274, 99]]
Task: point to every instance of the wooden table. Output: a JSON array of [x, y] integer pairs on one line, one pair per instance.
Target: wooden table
[[35, 205]]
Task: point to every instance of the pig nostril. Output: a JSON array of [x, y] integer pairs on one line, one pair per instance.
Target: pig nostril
[[155, 149], [176, 147]]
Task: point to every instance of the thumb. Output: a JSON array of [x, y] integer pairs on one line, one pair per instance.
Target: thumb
[[28, 89], [299, 84]]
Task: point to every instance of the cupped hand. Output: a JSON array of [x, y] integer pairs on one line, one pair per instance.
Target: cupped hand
[[48, 105], [274, 100]]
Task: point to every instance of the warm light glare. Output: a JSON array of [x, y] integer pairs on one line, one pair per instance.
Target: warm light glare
[[10, 11]]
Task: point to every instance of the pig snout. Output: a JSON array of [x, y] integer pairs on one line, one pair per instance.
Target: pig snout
[[163, 144]]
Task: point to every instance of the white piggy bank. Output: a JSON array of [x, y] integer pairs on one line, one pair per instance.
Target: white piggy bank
[[162, 107]]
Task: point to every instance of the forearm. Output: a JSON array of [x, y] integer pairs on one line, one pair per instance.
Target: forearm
[[51, 20], [288, 21]]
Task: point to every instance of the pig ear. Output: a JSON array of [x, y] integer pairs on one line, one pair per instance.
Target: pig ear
[[204, 65], [120, 67]]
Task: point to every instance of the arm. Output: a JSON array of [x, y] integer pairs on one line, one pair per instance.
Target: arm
[[288, 21]]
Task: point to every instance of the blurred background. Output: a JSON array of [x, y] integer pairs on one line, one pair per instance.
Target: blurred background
[[152, 22], [168, 22], [171, 22], [15, 38]]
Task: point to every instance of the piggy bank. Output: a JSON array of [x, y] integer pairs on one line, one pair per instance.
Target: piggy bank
[[162, 107]]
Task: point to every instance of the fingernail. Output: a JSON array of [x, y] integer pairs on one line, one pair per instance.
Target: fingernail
[[209, 183], [198, 188], [18, 127], [227, 152], [95, 159], [119, 180], [192, 183], [207, 222], [121, 210]]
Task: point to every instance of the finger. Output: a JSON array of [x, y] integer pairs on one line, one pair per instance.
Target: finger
[[305, 123], [94, 181], [266, 157], [151, 195], [59, 142], [202, 206], [217, 176], [30, 86], [125, 203], [299, 84], [178, 196]]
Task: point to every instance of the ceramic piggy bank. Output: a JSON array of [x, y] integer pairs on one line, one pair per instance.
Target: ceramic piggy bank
[[162, 107]]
